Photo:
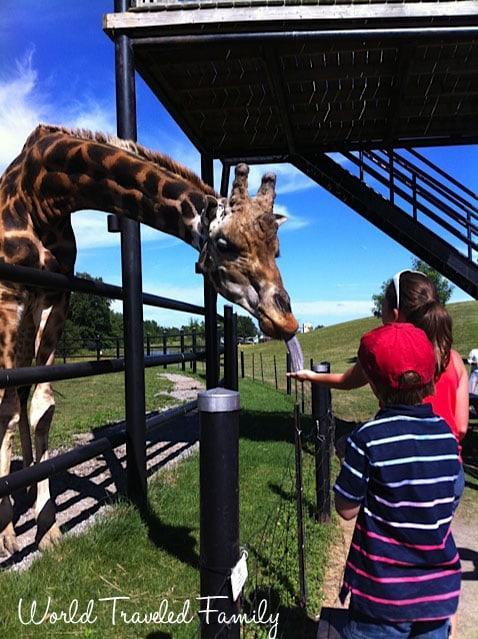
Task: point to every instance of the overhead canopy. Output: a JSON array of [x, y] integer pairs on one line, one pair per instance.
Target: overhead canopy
[[265, 79]]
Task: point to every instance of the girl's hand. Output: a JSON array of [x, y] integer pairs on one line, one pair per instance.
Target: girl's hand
[[304, 375]]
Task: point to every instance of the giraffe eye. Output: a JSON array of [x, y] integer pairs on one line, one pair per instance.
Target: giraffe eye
[[223, 246]]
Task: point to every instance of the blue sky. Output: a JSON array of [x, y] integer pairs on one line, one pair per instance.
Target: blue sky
[[57, 66]]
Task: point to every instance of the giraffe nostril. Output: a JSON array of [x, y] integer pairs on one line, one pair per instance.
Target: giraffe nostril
[[282, 303]]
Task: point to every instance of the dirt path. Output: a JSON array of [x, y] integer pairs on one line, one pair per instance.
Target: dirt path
[[83, 492]]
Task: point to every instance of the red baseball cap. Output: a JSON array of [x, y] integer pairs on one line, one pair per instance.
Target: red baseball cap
[[396, 348]]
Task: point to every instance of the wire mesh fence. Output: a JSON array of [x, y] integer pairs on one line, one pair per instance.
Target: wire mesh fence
[[271, 369]]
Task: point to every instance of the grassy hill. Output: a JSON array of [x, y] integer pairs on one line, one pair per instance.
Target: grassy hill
[[338, 345]]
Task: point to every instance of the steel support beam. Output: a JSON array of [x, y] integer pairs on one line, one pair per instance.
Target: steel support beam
[[132, 286]]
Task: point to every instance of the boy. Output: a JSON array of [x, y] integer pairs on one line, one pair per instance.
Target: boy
[[398, 475]]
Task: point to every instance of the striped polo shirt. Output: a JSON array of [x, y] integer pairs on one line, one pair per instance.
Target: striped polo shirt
[[403, 564]]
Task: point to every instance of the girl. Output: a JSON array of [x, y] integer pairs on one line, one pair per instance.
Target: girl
[[412, 297]]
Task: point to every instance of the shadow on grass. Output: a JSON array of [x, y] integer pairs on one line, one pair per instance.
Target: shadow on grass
[[290, 497], [266, 426], [177, 541], [466, 554], [158, 635], [292, 621]]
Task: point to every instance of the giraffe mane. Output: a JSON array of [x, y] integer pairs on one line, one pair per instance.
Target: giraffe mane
[[160, 159]]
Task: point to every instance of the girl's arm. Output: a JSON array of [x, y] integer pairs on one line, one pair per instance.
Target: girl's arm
[[462, 406], [354, 377]]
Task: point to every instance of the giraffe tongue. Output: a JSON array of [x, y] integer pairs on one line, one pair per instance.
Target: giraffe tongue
[[295, 352]]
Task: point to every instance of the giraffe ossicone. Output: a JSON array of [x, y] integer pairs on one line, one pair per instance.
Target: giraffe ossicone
[[60, 171]]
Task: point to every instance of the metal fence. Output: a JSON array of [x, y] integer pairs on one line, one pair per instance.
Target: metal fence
[[34, 375]]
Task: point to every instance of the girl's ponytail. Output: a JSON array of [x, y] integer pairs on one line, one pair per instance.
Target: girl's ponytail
[[420, 305], [435, 320]]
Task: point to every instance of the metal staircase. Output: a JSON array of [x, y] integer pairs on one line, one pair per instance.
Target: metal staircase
[[412, 200]]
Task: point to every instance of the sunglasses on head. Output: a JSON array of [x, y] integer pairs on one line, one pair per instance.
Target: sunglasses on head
[[396, 282]]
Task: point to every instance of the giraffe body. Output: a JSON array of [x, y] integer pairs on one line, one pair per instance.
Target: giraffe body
[[60, 171]]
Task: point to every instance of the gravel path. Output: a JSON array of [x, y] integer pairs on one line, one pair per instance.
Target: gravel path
[[83, 492]]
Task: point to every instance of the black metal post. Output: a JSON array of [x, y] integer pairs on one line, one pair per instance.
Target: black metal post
[[165, 346], [194, 348], [300, 507], [275, 373], [321, 414], [219, 507], [63, 347], [98, 347], [288, 370], [132, 285], [181, 342], [230, 348], [234, 366], [242, 365], [210, 299]]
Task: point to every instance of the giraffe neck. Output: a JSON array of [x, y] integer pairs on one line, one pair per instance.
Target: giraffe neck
[[64, 173]]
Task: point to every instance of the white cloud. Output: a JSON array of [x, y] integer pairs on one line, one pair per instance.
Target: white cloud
[[294, 222], [346, 308], [23, 105], [90, 229], [20, 109]]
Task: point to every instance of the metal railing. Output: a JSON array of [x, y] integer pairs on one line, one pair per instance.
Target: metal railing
[[443, 200], [38, 374]]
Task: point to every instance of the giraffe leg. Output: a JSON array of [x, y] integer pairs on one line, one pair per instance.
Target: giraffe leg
[[11, 312], [25, 352], [42, 408], [9, 418]]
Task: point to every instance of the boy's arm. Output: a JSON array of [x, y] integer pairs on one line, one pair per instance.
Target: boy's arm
[[354, 377], [347, 509]]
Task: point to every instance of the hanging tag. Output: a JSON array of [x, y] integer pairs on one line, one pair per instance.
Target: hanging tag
[[239, 576]]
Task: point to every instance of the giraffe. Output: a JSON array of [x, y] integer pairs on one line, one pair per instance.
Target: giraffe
[[60, 171]]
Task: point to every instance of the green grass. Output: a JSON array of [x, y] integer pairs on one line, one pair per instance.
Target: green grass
[[83, 404], [155, 558]]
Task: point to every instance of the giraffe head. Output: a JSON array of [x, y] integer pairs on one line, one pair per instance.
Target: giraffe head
[[240, 252]]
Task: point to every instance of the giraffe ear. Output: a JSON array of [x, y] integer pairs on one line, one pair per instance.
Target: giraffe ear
[[280, 219]]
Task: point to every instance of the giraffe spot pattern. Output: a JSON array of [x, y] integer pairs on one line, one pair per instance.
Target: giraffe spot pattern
[[55, 185], [76, 163], [99, 153], [125, 172], [187, 210], [12, 221], [22, 251], [173, 190], [197, 200], [151, 183]]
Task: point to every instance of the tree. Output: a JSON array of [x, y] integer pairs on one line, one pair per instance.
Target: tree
[[443, 286], [90, 314], [245, 326]]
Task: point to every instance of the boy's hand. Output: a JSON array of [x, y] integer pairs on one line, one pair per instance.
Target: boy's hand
[[304, 375]]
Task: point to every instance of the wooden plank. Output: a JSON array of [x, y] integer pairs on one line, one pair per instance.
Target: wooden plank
[[161, 20]]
